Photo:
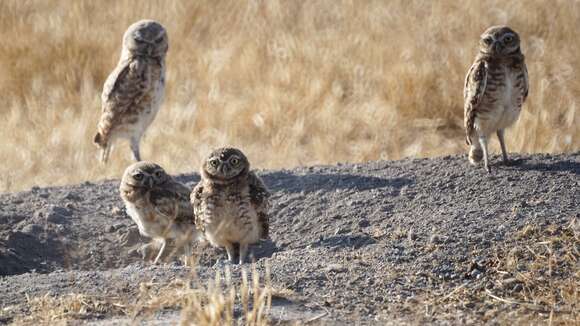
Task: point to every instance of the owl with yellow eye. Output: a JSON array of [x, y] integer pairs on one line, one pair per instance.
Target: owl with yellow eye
[[230, 203]]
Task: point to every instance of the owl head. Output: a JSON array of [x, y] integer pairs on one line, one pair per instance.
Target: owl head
[[144, 175], [499, 41], [146, 38], [225, 163]]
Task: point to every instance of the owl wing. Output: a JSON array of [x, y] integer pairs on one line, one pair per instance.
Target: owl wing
[[475, 84], [172, 202], [126, 85], [259, 198], [526, 82], [196, 202]]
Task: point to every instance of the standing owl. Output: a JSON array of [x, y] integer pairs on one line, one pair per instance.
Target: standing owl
[[159, 205], [230, 203], [496, 86], [133, 92]]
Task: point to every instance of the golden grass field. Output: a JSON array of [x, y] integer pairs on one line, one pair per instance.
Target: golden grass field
[[291, 83]]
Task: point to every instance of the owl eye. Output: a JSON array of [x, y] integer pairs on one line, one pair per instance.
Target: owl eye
[[158, 174], [138, 176], [487, 40], [214, 163], [235, 161], [509, 38]]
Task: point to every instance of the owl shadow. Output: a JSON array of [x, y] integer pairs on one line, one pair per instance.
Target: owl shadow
[[209, 255], [569, 166], [354, 241], [264, 249], [292, 183], [289, 182]]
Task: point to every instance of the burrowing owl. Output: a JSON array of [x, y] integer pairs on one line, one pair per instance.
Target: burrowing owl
[[496, 86], [230, 203], [133, 92], [159, 205]]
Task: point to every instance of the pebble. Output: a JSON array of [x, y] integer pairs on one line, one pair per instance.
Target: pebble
[[53, 214], [32, 229]]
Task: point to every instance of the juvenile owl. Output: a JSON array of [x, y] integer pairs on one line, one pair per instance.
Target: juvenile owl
[[133, 92], [159, 205], [496, 86], [230, 203]]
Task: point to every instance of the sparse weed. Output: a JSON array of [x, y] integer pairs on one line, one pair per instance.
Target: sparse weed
[[211, 303]]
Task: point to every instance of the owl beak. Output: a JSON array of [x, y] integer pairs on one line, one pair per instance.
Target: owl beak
[[497, 47], [149, 182]]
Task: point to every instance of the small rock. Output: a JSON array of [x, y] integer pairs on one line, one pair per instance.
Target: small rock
[[411, 236], [363, 223], [32, 229], [435, 239], [53, 214], [338, 268], [71, 196], [116, 211], [476, 274], [130, 237]]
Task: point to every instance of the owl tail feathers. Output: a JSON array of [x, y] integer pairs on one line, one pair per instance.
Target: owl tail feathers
[[99, 140]]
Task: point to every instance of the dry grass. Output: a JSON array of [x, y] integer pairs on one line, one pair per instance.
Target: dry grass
[[290, 82], [532, 280], [210, 304]]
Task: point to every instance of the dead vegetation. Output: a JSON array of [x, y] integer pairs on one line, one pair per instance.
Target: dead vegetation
[[533, 278], [200, 303], [291, 83]]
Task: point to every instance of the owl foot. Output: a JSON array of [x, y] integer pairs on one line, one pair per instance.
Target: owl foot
[[220, 263]]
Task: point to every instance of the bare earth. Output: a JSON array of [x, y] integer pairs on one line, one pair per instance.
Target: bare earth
[[390, 241]]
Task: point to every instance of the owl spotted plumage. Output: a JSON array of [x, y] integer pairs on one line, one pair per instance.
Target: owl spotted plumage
[[159, 205], [230, 203], [133, 92], [496, 86]]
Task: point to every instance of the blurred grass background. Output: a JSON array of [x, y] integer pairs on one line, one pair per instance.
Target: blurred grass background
[[290, 83]]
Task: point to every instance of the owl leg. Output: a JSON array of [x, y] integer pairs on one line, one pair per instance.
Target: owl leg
[[187, 254], [243, 252], [231, 250], [500, 136], [105, 151], [483, 143], [163, 244], [135, 149]]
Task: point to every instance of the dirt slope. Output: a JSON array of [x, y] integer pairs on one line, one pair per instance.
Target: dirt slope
[[371, 242]]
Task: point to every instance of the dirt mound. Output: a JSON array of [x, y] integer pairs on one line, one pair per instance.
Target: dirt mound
[[361, 241]]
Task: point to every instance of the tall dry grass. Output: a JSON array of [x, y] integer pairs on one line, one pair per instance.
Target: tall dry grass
[[289, 82]]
